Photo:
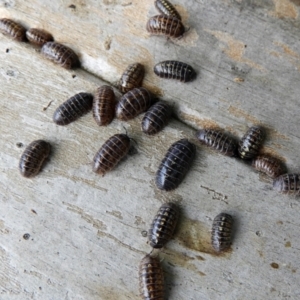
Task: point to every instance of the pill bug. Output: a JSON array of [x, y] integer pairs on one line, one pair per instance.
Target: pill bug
[[132, 77], [133, 103], [271, 166], [287, 184], [172, 69], [221, 232], [111, 152], [33, 158], [38, 36], [12, 28], [60, 54], [104, 105], [151, 278], [165, 25], [250, 143], [166, 8], [218, 140], [73, 108], [156, 118], [163, 225], [175, 165]]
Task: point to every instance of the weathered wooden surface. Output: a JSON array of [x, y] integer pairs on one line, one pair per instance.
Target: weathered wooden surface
[[86, 231]]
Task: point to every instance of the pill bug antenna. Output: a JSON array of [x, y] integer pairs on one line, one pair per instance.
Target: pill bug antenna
[[132, 139]]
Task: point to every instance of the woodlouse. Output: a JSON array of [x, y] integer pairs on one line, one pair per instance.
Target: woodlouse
[[12, 28], [104, 105], [163, 225], [287, 184], [132, 77], [111, 152], [218, 140], [165, 25], [151, 278], [156, 118], [271, 166], [221, 232], [60, 54], [172, 69], [251, 142], [38, 36], [33, 158], [133, 103], [175, 165], [73, 108], [166, 8]]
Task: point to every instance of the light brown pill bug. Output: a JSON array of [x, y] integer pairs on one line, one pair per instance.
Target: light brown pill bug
[[165, 25], [166, 8], [221, 232], [13, 29], [287, 184], [268, 165], [73, 108], [156, 117], [163, 225], [133, 103], [60, 54], [151, 278], [111, 152], [132, 77], [218, 140], [33, 158], [251, 142], [104, 105], [38, 36]]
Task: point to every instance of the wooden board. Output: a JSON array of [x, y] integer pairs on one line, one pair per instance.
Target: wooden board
[[86, 231]]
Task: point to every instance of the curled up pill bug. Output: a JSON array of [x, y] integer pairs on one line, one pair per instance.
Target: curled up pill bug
[[33, 158], [268, 165], [156, 118], [287, 184], [172, 69], [218, 140], [38, 36], [163, 225], [151, 279], [13, 29], [175, 165], [60, 54], [132, 77], [168, 26], [221, 232], [104, 105], [166, 8], [111, 152], [73, 108]]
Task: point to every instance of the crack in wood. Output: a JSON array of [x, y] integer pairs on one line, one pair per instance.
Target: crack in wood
[[216, 195]]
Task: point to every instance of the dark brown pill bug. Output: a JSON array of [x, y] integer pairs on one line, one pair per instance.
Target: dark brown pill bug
[[151, 278], [172, 69], [38, 37], [60, 54], [33, 158], [111, 152], [251, 142], [73, 108], [104, 105], [271, 166], [163, 225], [166, 8], [221, 232], [287, 184], [218, 140], [175, 165], [168, 26], [156, 118], [132, 77], [133, 103], [14, 29]]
